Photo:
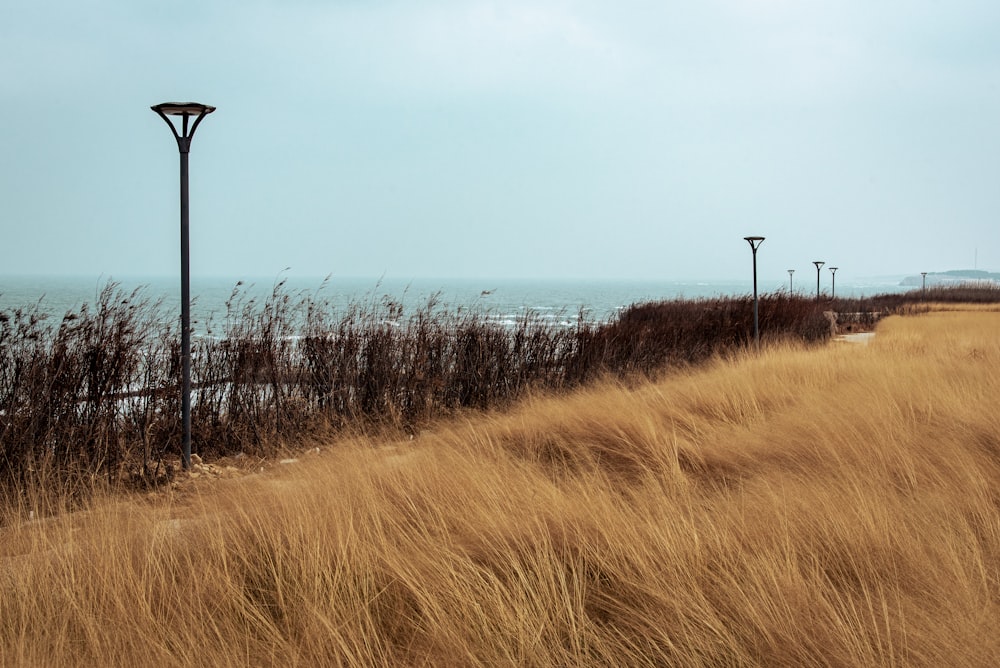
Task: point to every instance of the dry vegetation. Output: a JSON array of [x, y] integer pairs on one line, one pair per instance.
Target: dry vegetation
[[96, 393], [836, 507]]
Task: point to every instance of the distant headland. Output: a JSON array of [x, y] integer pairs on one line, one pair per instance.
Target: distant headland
[[953, 277]]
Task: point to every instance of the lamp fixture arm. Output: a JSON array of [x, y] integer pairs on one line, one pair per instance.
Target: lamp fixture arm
[[185, 136]]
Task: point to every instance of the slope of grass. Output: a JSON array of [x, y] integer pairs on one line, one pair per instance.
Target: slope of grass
[[799, 507]]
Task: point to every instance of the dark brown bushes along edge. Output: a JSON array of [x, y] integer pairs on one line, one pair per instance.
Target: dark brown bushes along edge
[[97, 393], [650, 336], [68, 393]]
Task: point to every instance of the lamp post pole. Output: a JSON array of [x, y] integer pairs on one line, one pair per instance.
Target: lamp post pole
[[186, 111], [923, 284], [790, 288], [755, 243], [818, 264], [833, 285]]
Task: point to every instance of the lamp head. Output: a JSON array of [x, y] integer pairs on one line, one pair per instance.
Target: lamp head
[[185, 110], [182, 108]]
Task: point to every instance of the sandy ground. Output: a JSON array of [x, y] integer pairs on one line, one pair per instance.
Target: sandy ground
[[861, 337]]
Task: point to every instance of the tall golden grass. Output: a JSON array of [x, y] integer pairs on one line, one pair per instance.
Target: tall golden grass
[[836, 507]]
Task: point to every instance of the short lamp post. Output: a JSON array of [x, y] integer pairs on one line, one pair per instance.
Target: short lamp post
[[790, 288], [818, 264], [833, 284], [755, 243], [923, 284], [187, 111]]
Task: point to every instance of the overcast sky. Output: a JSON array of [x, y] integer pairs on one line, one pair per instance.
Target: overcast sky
[[518, 138]]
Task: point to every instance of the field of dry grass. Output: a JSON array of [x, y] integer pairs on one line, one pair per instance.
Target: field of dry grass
[[836, 506]]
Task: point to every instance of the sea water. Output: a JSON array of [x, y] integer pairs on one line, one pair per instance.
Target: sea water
[[506, 300]]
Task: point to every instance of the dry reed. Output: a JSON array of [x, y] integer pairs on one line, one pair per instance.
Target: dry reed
[[96, 394]]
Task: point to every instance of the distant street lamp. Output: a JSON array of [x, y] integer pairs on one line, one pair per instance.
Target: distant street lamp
[[187, 111], [755, 243], [923, 283], [833, 286], [818, 264], [790, 272]]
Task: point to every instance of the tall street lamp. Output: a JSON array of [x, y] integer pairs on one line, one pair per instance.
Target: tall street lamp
[[833, 278], [818, 264], [755, 243], [790, 289], [183, 135]]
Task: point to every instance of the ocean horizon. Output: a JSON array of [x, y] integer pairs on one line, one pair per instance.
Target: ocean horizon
[[565, 299]]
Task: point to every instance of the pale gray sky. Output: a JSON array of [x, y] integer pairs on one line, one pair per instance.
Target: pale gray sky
[[470, 138]]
